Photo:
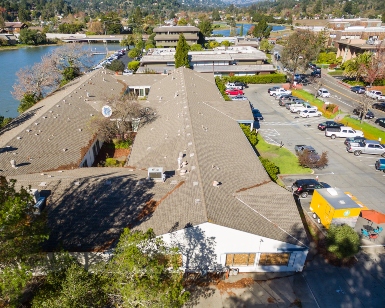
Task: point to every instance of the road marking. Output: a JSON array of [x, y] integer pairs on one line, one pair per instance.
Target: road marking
[[323, 173], [343, 94]]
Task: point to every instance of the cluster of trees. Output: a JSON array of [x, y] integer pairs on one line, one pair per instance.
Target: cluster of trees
[[71, 28], [143, 271], [32, 37], [367, 66], [56, 69]]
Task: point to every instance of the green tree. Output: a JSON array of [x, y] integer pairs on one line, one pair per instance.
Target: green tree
[[127, 41], [182, 22], [262, 30], [69, 73], [137, 19], [21, 234], [266, 46], [343, 241], [32, 37], [133, 53], [133, 65], [317, 7], [72, 286], [348, 7], [116, 66], [383, 17], [27, 102], [303, 46], [144, 272], [241, 31], [205, 27], [215, 15], [181, 54]]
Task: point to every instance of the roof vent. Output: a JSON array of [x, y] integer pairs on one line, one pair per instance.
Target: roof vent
[[64, 150], [332, 191], [156, 174], [18, 138], [36, 123], [28, 130], [216, 183]]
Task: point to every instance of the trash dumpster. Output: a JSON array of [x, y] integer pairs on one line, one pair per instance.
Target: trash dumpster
[[333, 206]]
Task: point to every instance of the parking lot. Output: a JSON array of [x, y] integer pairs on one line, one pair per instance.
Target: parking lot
[[355, 174]]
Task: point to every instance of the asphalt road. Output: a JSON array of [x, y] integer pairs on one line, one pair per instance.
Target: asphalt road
[[355, 174]]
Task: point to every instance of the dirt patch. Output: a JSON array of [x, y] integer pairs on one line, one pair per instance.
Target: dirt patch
[[240, 284], [120, 153]]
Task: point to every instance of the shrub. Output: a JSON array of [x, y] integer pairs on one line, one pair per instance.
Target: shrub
[[342, 241], [251, 135], [332, 108], [111, 162], [133, 65], [222, 88], [310, 160], [122, 144], [271, 169], [257, 79]]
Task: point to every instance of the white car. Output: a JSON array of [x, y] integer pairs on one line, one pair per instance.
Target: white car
[[323, 93], [308, 113]]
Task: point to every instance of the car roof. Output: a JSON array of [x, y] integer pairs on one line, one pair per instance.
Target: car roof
[[307, 181]]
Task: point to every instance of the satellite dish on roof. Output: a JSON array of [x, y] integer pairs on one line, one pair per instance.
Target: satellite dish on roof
[[106, 111]]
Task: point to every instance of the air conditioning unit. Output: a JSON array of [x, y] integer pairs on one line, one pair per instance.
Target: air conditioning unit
[[156, 174]]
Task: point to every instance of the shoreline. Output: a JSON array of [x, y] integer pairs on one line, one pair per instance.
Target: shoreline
[[16, 47]]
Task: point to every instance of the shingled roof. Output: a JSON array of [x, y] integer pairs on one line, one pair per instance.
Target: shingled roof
[[192, 118], [55, 132]]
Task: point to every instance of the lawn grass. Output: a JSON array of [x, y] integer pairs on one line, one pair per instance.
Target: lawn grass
[[285, 160], [312, 100], [336, 73], [370, 132]]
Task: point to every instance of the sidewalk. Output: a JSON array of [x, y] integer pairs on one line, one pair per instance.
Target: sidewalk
[[286, 289]]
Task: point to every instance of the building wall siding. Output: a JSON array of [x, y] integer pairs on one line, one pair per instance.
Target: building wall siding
[[206, 245]]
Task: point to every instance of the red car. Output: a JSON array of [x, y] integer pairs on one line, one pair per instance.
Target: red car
[[234, 92]]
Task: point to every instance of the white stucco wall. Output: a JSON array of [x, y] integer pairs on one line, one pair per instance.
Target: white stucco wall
[[90, 157], [206, 245]]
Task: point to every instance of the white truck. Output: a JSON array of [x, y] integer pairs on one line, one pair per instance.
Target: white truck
[[298, 108], [279, 92], [373, 94], [342, 132]]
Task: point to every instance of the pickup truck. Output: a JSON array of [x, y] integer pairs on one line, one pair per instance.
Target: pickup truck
[[301, 107], [280, 91], [366, 147], [373, 94], [342, 132]]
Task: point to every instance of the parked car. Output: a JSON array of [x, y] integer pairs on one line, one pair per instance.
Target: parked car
[[298, 108], [323, 93], [239, 98], [373, 147], [380, 164], [373, 93], [305, 187], [128, 72], [231, 85], [312, 66], [358, 111], [379, 106], [354, 139], [284, 99], [309, 113], [358, 89], [301, 147], [279, 91], [241, 84], [380, 121], [327, 124], [272, 89], [316, 73], [342, 132], [257, 115], [381, 98], [234, 92]]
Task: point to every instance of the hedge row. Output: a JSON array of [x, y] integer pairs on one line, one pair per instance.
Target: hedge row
[[222, 88], [271, 169], [257, 79]]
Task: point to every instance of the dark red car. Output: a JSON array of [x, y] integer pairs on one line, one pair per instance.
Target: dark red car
[[234, 92]]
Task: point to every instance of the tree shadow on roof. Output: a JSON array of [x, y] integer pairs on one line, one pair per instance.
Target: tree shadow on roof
[[90, 214], [20, 120]]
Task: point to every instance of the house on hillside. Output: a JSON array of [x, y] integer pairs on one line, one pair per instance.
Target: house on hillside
[[192, 176], [13, 27]]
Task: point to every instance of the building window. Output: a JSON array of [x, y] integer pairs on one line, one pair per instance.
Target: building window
[[240, 259], [274, 259]]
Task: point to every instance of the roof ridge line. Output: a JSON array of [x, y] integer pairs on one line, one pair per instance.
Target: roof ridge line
[[270, 221], [193, 144], [254, 186]]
